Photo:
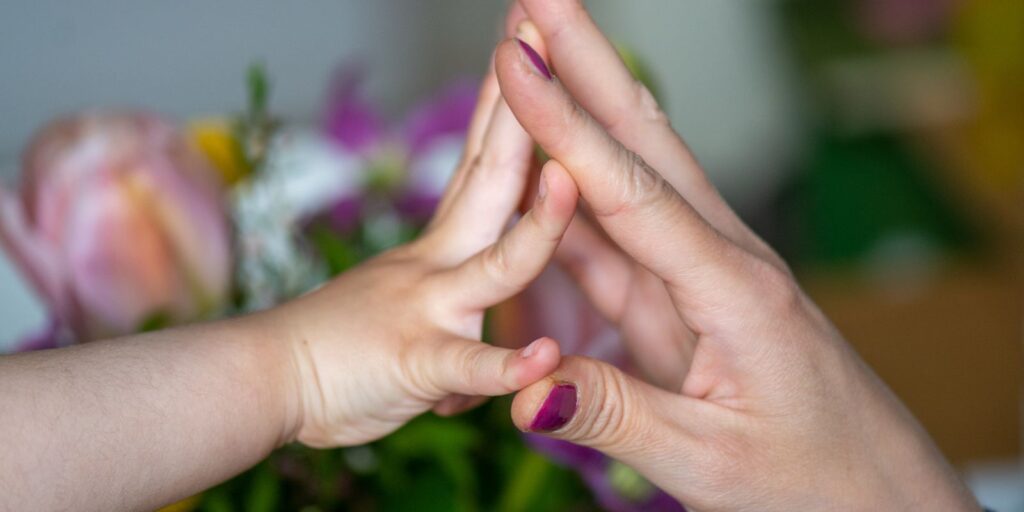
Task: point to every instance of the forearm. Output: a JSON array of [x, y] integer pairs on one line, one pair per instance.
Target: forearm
[[141, 421]]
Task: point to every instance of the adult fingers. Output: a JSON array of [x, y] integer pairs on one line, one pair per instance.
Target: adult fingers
[[513, 17], [579, 51], [635, 206], [594, 404], [508, 266], [632, 298], [471, 368]]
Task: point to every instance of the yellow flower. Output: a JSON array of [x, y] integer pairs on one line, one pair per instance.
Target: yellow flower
[[216, 140]]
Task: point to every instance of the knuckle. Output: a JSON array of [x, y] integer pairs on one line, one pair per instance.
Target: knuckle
[[574, 118], [615, 422], [777, 288], [496, 264], [639, 184], [641, 108], [647, 105], [468, 360], [494, 160], [416, 377], [569, 16], [547, 230], [475, 163]]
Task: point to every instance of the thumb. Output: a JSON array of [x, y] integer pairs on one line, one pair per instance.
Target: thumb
[[595, 404], [472, 368]]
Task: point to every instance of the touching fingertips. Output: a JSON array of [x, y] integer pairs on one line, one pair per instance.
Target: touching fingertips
[[542, 187], [528, 32], [557, 409], [536, 61], [559, 190]]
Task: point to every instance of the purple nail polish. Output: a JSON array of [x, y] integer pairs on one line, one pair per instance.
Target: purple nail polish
[[535, 58], [556, 410]]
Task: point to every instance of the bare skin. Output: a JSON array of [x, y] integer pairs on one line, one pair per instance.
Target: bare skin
[[753, 400], [142, 421]]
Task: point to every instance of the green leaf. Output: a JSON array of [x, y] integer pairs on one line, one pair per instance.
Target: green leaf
[[428, 492], [155, 322], [629, 483], [217, 500], [525, 484], [264, 491], [339, 254], [259, 89]]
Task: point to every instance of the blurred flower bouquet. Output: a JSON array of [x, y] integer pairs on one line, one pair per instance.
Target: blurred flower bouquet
[[125, 222]]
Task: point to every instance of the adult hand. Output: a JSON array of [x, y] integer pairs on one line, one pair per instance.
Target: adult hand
[[761, 402]]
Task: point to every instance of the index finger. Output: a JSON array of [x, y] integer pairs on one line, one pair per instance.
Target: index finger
[[631, 200], [628, 110]]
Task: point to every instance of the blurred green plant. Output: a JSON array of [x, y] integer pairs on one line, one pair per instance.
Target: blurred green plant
[[474, 462]]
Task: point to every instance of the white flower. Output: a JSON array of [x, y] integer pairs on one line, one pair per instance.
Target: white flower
[[303, 174]]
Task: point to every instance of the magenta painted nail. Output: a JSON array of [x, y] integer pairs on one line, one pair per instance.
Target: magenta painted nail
[[556, 410], [535, 58]]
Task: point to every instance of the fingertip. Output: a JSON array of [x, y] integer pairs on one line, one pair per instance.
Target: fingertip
[[551, 13], [515, 15], [535, 361], [557, 190], [558, 176], [528, 32], [528, 401], [507, 60]]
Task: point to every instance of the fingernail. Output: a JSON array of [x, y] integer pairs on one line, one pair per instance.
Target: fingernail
[[530, 349], [542, 187], [535, 59], [527, 30], [557, 409]]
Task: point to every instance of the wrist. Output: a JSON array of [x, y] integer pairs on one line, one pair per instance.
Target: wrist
[[910, 471], [275, 372]]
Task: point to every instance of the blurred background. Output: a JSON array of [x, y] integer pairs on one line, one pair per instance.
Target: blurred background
[[877, 144]]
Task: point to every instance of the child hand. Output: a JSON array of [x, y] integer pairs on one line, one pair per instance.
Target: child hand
[[400, 334]]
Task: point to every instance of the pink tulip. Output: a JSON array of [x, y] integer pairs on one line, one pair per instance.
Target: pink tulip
[[118, 221]]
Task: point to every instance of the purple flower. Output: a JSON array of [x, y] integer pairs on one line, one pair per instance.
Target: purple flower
[[616, 487], [53, 335], [409, 163], [448, 114], [348, 119]]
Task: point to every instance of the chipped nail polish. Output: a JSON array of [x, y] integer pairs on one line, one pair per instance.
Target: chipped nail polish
[[557, 409], [535, 59]]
